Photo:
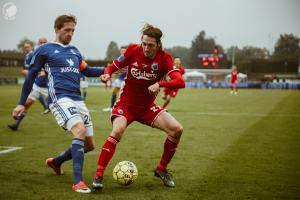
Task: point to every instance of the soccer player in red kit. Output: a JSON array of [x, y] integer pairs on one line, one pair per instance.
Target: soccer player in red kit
[[147, 66], [168, 93], [234, 80]]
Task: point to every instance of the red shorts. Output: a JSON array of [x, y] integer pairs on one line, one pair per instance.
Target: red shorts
[[170, 92], [234, 83], [145, 115]]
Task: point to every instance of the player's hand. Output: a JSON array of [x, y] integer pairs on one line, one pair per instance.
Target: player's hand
[[41, 73], [154, 89], [18, 111], [105, 77], [108, 84]]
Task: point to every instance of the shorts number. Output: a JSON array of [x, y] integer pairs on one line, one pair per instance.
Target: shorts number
[[86, 119], [155, 108]]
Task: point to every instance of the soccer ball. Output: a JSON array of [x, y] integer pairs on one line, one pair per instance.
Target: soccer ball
[[125, 172]]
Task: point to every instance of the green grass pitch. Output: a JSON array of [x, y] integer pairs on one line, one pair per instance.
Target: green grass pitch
[[243, 146]]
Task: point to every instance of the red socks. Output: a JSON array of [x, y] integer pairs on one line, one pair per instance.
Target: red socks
[[107, 152], [109, 147], [169, 151]]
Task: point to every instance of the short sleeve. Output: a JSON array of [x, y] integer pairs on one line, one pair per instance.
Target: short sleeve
[[122, 60], [39, 57], [168, 62]]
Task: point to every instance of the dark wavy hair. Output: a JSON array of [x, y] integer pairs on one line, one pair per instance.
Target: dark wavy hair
[[154, 32], [60, 20]]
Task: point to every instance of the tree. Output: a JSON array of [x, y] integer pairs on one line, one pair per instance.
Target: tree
[[244, 56], [112, 51], [200, 45], [181, 52], [247, 53], [287, 46], [25, 40]]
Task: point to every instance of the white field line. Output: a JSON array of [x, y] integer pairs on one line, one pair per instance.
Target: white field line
[[240, 114], [8, 149]]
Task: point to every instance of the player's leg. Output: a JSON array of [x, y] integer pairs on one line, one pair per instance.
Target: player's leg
[[16, 125], [164, 95], [67, 116], [34, 95], [167, 101], [89, 140], [108, 149], [114, 96], [38, 94], [116, 88], [84, 84], [55, 163], [231, 88], [43, 102], [89, 144], [166, 122], [84, 91], [235, 88], [44, 96], [172, 94], [77, 150], [121, 118], [112, 99], [67, 155]]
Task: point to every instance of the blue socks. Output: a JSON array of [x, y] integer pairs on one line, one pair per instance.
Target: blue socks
[[20, 118], [64, 156], [113, 100], [77, 151]]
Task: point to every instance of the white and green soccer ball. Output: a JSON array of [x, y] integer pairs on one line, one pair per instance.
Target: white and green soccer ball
[[125, 172]]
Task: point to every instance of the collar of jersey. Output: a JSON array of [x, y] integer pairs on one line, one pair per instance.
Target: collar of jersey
[[61, 44]]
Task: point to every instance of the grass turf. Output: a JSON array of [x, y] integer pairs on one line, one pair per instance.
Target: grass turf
[[243, 146]]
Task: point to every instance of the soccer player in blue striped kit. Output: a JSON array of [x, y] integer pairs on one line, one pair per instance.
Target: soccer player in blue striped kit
[[63, 63]]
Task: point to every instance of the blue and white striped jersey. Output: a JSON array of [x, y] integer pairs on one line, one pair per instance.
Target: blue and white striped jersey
[[40, 81], [63, 64]]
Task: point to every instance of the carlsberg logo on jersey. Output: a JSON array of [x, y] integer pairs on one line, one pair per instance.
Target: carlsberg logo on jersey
[[142, 75]]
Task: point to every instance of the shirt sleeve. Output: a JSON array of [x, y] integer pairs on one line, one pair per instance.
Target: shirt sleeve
[[38, 60], [169, 64], [181, 70], [176, 81], [121, 61]]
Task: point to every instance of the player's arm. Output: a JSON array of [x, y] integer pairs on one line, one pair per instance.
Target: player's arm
[[112, 68], [24, 72], [176, 82], [90, 71], [118, 64], [28, 83], [27, 64]]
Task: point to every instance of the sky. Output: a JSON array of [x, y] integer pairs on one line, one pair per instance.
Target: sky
[[256, 23]]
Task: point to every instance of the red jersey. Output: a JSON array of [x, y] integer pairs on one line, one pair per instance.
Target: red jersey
[[173, 92], [234, 77], [142, 72], [181, 70]]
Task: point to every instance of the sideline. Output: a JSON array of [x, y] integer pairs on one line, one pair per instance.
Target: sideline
[[8, 149]]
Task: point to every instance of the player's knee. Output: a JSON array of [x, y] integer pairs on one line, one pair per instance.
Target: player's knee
[[177, 131], [117, 132], [89, 147], [79, 131]]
